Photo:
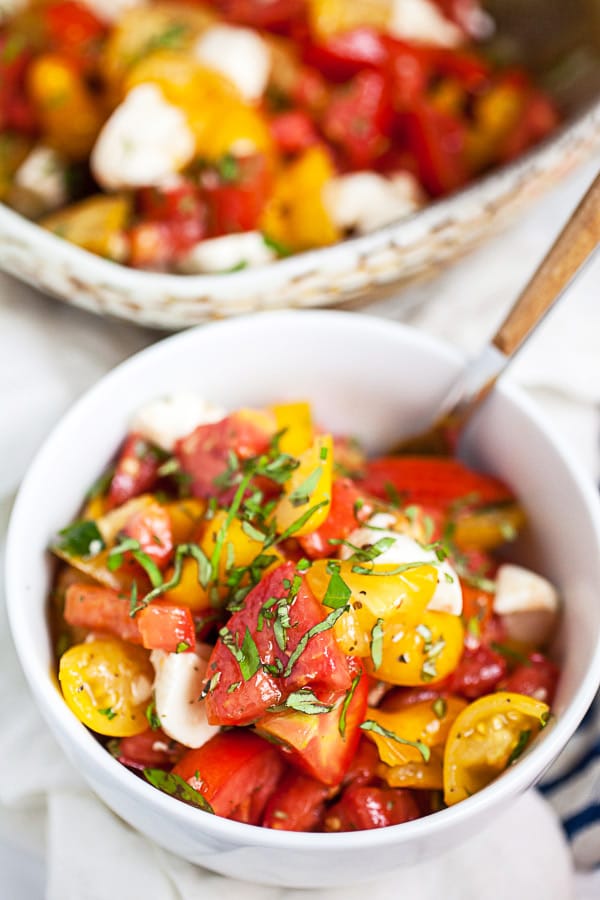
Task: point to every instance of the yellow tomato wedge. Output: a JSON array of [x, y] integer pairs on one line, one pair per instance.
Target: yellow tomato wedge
[[419, 654], [107, 684], [295, 421], [308, 488], [97, 224], [185, 516], [488, 529], [427, 724], [329, 17], [486, 738]]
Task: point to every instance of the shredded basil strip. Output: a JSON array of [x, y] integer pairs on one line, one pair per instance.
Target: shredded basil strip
[[376, 728], [377, 643], [176, 787], [338, 593], [81, 539], [398, 570], [346, 704], [327, 623], [297, 525], [246, 656], [302, 494], [303, 701], [519, 747]]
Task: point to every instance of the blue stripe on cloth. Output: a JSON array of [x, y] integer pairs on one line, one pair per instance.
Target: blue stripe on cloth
[[582, 763], [581, 820]]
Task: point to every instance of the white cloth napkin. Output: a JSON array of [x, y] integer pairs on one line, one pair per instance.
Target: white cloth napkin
[[53, 831]]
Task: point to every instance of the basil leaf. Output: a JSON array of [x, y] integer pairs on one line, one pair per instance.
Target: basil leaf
[[338, 593], [519, 747], [302, 494], [376, 728], [304, 701], [377, 643], [176, 787], [81, 539], [327, 623], [346, 704]]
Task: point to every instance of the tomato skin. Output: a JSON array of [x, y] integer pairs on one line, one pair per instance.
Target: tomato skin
[[74, 31], [358, 119], [274, 14], [136, 471], [478, 673], [403, 697], [150, 748], [101, 609], [364, 765], [165, 626], [343, 517], [236, 204], [16, 110], [345, 54], [437, 141], [322, 666], [151, 527], [298, 803], [293, 131], [313, 742], [204, 453], [238, 773], [365, 807], [538, 119], [172, 220], [430, 481], [538, 679]]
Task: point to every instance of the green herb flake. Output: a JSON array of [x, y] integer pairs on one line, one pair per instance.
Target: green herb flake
[[377, 643], [439, 707], [302, 494], [376, 728], [182, 646], [327, 623], [234, 687], [346, 704], [246, 656], [303, 701], [519, 747], [176, 787], [152, 716], [338, 593], [81, 539], [108, 712]]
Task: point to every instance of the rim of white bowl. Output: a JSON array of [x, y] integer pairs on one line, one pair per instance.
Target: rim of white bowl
[[52, 706], [486, 191]]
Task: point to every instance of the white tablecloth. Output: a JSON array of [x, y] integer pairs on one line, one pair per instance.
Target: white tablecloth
[[52, 830]]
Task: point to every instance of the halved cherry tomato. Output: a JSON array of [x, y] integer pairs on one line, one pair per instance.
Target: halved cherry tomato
[[348, 509], [297, 804], [236, 772], [149, 748], [151, 528], [315, 742], [264, 677], [364, 807], [415, 654], [136, 471], [479, 672], [100, 608], [107, 684], [538, 678], [435, 482], [204, 454], [358, 119], [293, 131], [167, 627], [364, 765], [485, 738]]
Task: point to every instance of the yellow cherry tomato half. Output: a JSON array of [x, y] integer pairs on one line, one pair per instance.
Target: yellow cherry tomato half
[[308, 488], [418, 654], [487, 737], [107, 684]]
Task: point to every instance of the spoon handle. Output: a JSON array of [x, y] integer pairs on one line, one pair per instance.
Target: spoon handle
[[574, 245]]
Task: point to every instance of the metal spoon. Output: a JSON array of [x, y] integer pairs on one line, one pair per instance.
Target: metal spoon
[[575, 245]]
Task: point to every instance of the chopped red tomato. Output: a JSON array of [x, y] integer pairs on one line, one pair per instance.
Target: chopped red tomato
[[101, 609], [402, 697], [273, 14], [136, 471], [436, 139], [249, 656], [236, 771], [74, 31], [539, 117], [298, 803], [174, 219], [345, 54], [431, 481], [322, 744], [347, 510], [470, 70], [165, 626], [364, 764], [363, 807], [236, 193], [479, 672], [310, 91], [537, 678], [293, 131], [151, 528], [16, 110], [152, 749], [358, 119], [204, 454]]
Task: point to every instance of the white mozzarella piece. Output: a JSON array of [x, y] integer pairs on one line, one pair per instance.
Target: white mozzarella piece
[[240, 54], [145, 141], [423, 22], [223, 254], [448, 593], [42, 175], [364, 201], [164, 421], [111, 10], [178, 684], [527, 602]]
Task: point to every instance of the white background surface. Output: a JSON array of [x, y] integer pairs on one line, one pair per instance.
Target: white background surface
[[49, 353]]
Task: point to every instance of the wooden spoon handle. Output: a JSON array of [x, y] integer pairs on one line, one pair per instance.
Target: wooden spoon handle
[[575, 244]]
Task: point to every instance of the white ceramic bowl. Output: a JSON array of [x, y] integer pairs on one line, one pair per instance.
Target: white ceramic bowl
[[370, 378]]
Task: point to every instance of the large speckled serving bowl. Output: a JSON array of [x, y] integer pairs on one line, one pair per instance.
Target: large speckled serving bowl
[[557, 40], [379, 381]]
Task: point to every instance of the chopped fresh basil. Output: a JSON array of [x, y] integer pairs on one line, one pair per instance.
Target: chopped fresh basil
[[346, 704], [246, 656], [328, 622], [302, 494], [376, 728], [152, 716], [519, 747], [108, 712], [439, 707], [377, 643], [174, 785], [338, 593], [81, 539], [182, 646], [303, 701]]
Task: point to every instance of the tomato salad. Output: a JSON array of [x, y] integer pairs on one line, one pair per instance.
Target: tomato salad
[[271, 627], [206, 137]]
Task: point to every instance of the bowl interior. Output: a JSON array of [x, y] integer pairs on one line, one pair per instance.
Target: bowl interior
[[376, 380]]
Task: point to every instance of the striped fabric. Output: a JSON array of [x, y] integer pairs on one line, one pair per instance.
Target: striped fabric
[[572, 786]]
